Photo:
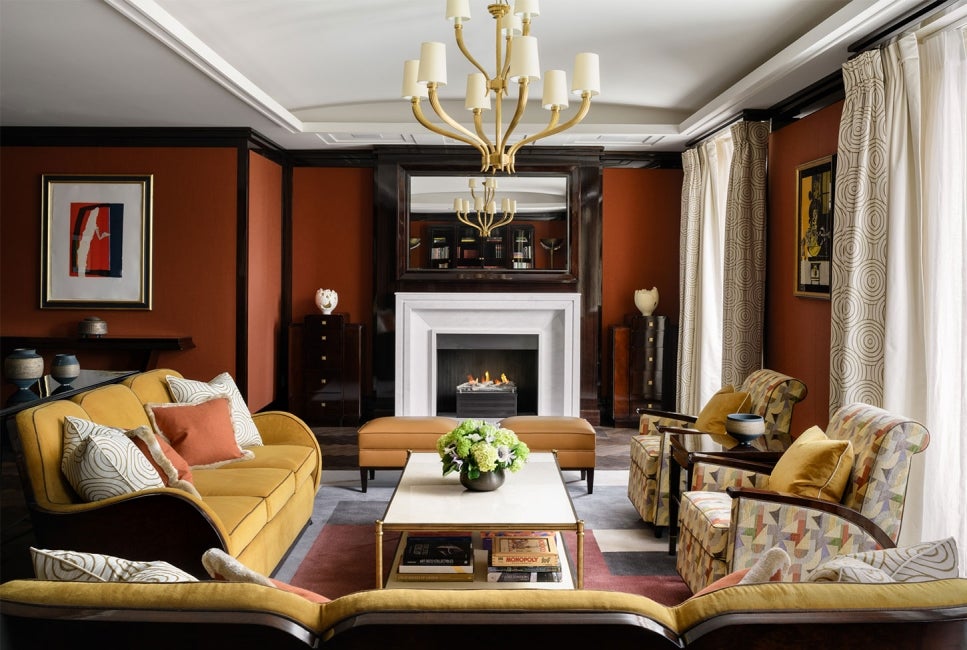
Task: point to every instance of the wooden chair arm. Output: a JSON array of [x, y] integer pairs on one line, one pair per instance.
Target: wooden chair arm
[[835, 509], [671, 415], [735, 461]]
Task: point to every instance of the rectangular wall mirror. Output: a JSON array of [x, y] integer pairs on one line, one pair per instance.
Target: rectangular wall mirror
[[526, 226]]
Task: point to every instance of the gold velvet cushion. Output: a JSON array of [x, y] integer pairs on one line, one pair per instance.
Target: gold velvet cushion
[[202, 433], [814, 466], [222, 566], [73, 566], [716, 410], [189, 391], [102, 462]]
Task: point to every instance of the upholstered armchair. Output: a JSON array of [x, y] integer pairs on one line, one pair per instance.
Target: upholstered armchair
[[724, 531], [771, 395]]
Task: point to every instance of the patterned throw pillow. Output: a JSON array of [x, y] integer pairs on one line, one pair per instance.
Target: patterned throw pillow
[[222, 566], [189, 391], [916, 563], [102, 462], [72, 566], [202, 433], [173, 468]]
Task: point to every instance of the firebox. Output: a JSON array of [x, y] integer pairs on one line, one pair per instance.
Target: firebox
[[465, 357]]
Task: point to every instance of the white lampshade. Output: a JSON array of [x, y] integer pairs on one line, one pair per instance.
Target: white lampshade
[[524, 61], [466, 205], [458, 204], [587, 76], [433, 63], [458, 10], [505, 205], [527, 8], [477, 95], [511, 23], [411, 87], [555, 89], [491, 207], [472, 182], [478, 203]]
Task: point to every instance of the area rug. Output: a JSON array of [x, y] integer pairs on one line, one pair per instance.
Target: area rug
[[341, 560]]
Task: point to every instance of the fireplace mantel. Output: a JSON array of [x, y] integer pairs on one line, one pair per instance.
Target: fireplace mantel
[[554, 317]]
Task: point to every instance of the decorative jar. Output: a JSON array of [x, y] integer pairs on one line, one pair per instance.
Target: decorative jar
[[92, 327], [65, 369], [23, 367], [646, 300], [326, 300]]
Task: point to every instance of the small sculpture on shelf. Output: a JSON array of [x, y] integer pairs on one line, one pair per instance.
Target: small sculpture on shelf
[[646, 300], [326, 300], [65, 369], [23, 367], [92, 327]]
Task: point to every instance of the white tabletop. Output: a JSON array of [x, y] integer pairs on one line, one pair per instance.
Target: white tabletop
[[532, 498]]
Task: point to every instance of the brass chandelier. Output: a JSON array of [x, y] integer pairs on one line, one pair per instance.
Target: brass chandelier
[[516, 63], [481, 213]]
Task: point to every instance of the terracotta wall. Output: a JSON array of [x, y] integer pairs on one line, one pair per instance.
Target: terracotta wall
[[194, 266], [332, 248], [641, 212], [797, 329], [264, 279]]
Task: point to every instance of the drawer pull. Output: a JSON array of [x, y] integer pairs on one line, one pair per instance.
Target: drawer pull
[[322, 404], [323, 381], [322, 357], [650, 359], [322, 338], [651, 339], [323, 322], [650, 382]]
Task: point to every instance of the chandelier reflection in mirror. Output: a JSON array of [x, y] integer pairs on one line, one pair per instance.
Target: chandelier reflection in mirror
[[516, 63], [480, 210]]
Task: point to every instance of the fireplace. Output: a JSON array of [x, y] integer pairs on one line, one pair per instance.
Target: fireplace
[[540, 331], [511, 355]]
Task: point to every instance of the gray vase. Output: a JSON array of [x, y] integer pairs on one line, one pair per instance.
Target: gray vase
[[65, 368], [486, 482], [23, 367]]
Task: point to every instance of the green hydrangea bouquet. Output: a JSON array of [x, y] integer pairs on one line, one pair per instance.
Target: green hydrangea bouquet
[[478, 446]]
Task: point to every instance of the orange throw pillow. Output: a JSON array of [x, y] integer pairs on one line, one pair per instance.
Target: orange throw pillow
[[177, 460], [202, 433]]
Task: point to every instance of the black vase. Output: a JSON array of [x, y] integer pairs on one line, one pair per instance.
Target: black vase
[[486, 482]]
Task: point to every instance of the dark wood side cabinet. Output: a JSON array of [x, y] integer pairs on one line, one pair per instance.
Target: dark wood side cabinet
[[332, 364], [643, 361]]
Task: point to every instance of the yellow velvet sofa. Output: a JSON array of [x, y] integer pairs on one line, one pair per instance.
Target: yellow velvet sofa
[[252, 509], [38, 613]]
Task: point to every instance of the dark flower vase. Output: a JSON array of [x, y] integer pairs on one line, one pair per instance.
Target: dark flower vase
[[486, 482]]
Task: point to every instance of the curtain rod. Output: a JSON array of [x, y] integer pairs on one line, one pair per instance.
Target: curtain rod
[[912, 17]]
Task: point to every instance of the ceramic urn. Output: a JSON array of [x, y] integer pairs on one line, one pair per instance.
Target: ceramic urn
[[646, 300], [326, 300]]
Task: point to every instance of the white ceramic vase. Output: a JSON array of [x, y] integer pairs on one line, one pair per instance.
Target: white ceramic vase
[[326, 300], [646, 300]]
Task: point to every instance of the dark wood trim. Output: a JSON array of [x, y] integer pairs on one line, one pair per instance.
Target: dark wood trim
[[282, 354], [641, 159], [749, 114], [242, 271], [69, 136], [825, 92]]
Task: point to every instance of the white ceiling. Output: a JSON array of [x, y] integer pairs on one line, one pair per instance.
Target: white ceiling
[[321, 74]]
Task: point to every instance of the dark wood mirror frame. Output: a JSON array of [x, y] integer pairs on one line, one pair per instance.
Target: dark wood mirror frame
[[582, 166]]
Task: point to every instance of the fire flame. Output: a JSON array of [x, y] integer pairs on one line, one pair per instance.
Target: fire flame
[[486, 379]]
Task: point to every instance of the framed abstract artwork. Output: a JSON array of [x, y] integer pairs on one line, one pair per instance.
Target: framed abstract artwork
[[814, 227], [96, 242]]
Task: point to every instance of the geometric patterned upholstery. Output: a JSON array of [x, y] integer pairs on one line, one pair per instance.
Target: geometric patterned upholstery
[[772, 395], [716, 539]]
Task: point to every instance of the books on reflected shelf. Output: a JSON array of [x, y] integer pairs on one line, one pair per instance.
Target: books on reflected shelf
[[436, 557]]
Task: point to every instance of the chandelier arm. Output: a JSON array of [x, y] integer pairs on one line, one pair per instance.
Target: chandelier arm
[[464, 220], [522, 92], [418, 114], [458, 35], [552, 129], [478, 125]]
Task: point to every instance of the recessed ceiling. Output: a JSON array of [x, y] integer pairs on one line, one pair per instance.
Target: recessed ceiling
[[320, 74]]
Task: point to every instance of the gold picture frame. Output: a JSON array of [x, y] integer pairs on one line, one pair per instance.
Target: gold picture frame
[[96, 242], [815, 195]]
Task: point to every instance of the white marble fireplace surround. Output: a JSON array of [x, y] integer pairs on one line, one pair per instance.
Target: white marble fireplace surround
[[554, 317]]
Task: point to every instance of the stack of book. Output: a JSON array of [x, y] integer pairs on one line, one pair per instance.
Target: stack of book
[[522, 557], [436, 557]]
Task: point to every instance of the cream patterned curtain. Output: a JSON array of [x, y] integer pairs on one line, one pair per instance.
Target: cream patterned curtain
[[705, 186], [858, 284], [899, 297], [745, 253]]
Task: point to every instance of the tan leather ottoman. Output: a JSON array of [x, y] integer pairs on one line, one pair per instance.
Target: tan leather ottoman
[[383, 442], [572, 438]]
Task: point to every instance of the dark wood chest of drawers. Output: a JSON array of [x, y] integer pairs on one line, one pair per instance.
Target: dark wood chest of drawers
[[332, 370], [643, 360]]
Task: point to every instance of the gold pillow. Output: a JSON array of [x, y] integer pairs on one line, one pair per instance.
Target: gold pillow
[[716, 410], [814, 466]]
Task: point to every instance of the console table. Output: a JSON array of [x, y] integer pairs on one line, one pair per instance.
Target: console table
[[146, 348]]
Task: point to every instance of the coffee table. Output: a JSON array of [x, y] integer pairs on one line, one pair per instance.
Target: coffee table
[[534, 498]]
